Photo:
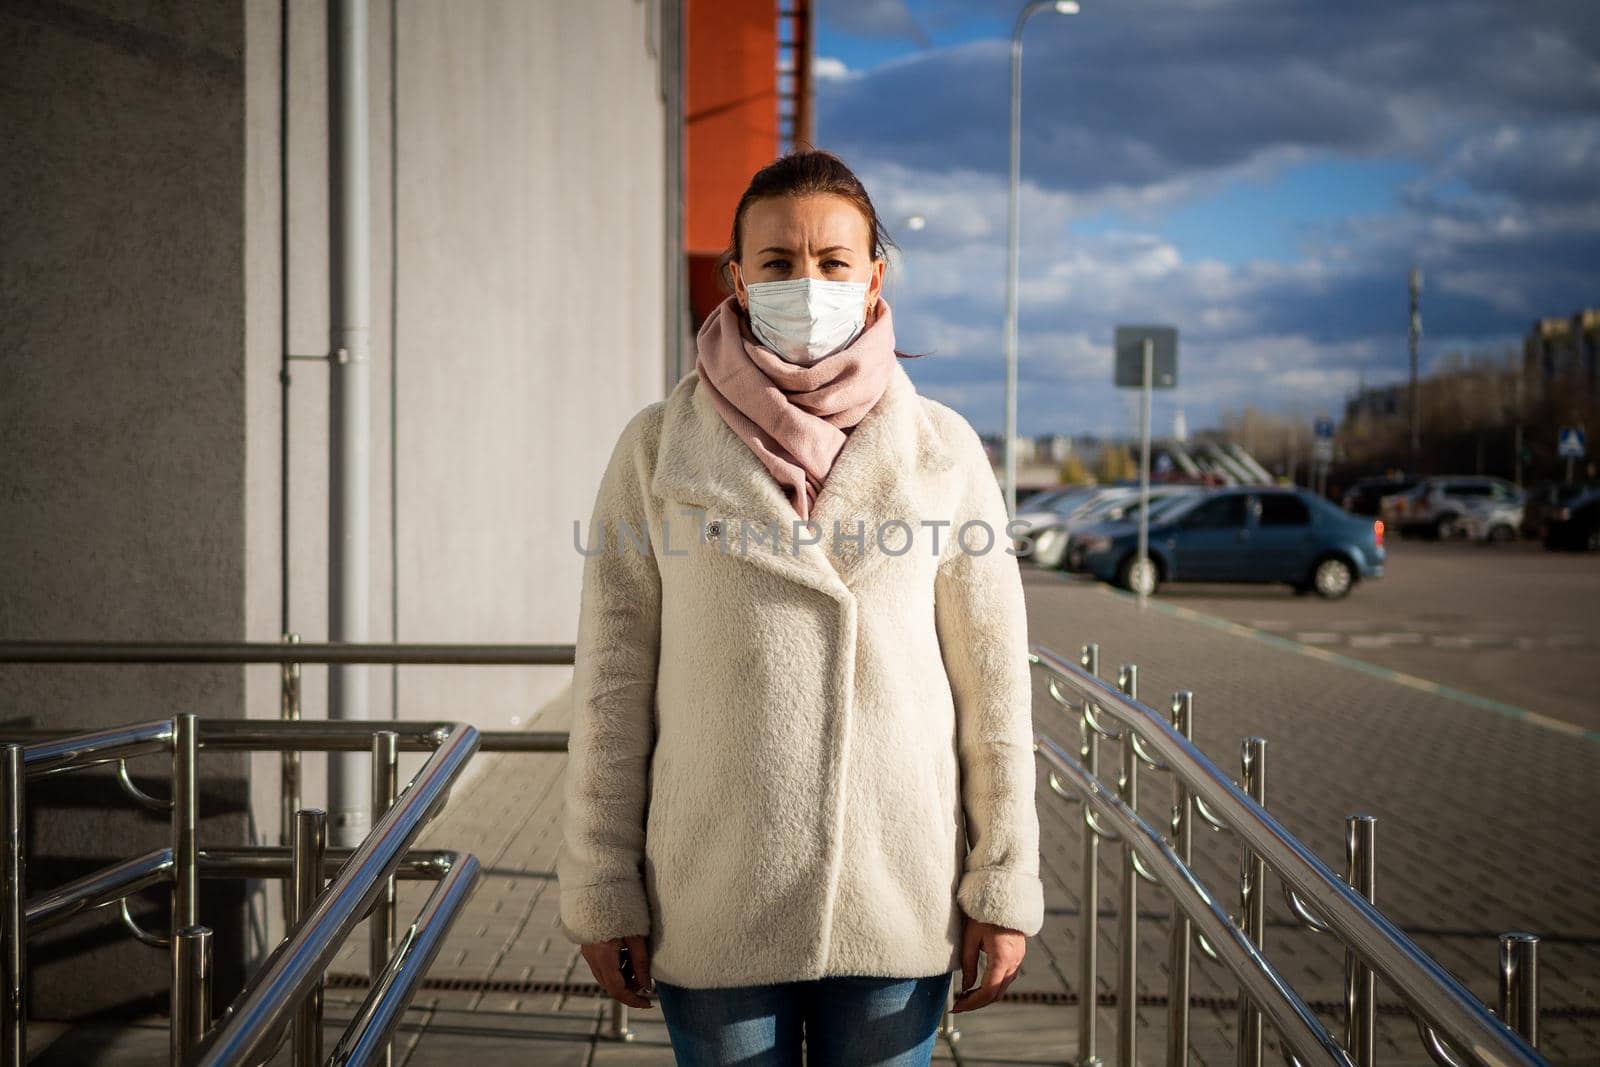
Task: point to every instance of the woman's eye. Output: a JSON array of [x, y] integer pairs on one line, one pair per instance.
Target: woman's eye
[[837, 263], [775, 264]]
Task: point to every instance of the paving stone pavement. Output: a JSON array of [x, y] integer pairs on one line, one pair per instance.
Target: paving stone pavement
[[1485, 825]]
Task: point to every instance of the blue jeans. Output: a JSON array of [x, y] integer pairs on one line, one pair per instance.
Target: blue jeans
[[847, 1020]]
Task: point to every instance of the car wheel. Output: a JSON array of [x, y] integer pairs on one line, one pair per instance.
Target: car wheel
[[1592, 541], [1139, 576], [1502, 534], [1447, 527], [1332, 578], [1047, 549]]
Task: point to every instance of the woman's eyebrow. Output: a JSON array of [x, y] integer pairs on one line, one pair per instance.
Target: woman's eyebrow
[[774, 248]]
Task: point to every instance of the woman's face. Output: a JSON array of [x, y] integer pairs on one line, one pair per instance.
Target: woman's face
[[822, 236]]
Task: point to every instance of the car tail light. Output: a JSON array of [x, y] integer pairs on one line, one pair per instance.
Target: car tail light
[[1377, 532]]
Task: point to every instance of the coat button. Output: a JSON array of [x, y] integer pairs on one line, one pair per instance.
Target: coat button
[[714, 528]]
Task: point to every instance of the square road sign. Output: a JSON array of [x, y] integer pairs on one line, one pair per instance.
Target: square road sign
[[1129, 371]]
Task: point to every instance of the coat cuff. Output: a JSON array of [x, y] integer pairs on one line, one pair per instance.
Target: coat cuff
[[1003, 896], [601, 912]]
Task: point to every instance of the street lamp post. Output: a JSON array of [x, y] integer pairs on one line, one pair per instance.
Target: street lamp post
[[1061, 7]]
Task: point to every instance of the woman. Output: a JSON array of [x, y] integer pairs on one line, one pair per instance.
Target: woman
[[801, 690]]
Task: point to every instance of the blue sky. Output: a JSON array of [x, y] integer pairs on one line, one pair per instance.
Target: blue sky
[[1259, 173]]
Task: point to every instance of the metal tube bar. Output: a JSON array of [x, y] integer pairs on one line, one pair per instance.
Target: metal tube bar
[[1089, 920], [185, 822], [269, 652], [1519, 984], [1128, 919], [1294, 1020], [310, 735], [310, 842], [369, 1036], [13, 932], [1430, 991], [1179, 952], [1147, 357], [291, 969], [317, 735], [97, 746], [1360, 985], [385, 787], [105, 886], [1252, 898], [191, 986], [274, 861], [291, 691]]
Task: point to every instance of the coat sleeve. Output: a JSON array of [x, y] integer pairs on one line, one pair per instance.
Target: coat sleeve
[[983, 634], [600, 857]]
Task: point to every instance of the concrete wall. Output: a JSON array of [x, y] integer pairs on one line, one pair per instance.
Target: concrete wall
[[519, 254], [518, 321], [122, 446]]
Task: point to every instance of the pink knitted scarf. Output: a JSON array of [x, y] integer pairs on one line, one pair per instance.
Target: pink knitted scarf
[[796, 419]]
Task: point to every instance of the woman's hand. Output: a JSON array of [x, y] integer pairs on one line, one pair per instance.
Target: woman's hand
[[605, 962], [1004, 948]]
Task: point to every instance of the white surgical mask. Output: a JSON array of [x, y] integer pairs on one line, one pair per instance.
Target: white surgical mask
[[805, 319]]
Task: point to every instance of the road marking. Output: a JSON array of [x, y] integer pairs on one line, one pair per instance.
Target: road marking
[[1461, 696]]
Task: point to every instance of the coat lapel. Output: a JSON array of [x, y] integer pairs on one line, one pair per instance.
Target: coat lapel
[[879, 476]]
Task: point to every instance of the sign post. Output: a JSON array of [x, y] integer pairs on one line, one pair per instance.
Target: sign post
[[1571, 446], [1146, 359], [1322, 453]]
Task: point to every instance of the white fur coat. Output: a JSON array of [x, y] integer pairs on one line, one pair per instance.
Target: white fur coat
[[784, 741]]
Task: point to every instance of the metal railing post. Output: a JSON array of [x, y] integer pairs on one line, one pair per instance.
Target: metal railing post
[[1128, 920], [1360, 986], [13, 932], [1089, 920], [191, 989], [1179, 952], [1519, 985], [186, 879], [310, 843], [185, 821], [289, 768], [385, 787], [1252, 899]]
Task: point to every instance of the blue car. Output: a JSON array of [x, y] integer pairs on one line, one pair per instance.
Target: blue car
[[1243, 534]]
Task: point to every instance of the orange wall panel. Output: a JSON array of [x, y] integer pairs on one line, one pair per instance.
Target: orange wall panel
[[731, 111]]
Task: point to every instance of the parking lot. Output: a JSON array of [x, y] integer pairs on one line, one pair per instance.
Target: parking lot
[[1511, 625]]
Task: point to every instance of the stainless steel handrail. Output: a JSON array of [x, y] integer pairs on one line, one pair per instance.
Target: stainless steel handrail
[[380, 1011], [1431, 991], [105, 886], [293, 968], [1289, 1013], [76, 751], [222, 652]]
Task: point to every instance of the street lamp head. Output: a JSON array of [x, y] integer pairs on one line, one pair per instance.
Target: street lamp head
[[1066, 7], [915, 222]]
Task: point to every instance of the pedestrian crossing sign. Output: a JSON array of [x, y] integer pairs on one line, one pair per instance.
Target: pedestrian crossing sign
[[1570, 443]]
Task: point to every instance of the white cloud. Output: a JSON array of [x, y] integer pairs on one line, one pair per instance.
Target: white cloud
[[829, 68]]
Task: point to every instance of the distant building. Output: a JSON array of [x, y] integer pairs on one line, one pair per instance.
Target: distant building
[[1560, 359], [1052, 448]]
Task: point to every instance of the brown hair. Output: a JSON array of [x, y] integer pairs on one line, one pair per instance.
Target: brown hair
[[806, 172]]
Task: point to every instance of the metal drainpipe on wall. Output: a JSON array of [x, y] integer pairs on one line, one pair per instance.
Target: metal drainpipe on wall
[[350, 403]]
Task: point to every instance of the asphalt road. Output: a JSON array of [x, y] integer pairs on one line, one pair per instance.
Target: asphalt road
[[1515, 624]]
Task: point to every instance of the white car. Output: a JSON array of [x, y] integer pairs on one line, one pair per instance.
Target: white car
[[1490, 520], [1052, 543], [1047, 509]]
